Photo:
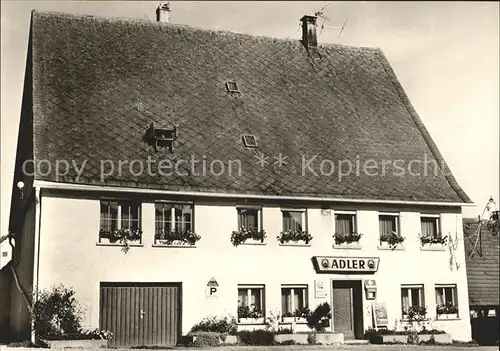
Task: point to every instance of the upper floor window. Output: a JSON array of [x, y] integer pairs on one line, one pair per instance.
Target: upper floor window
[[388, 223], [412, 296], [430, 226], [250, 217], [251, 301], [173, 217], [120, 222], [120, 215], [294, 300], [294, 220], [345, 223]]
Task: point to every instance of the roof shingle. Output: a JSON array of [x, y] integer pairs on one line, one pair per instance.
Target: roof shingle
[[483, 271], [98, 83]]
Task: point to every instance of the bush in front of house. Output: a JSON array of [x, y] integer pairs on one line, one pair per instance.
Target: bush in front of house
[[373, 336], [320, 314], [217, 325], [207, 339], [257, 337], [57, 315]]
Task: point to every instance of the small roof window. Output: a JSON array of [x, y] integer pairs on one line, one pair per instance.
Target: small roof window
[[249, 140], [232, 87]]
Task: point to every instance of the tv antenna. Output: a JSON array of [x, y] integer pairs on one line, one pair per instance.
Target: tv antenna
[[321, 14]]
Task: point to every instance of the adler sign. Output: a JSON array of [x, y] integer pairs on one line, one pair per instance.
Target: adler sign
[[329, 264]]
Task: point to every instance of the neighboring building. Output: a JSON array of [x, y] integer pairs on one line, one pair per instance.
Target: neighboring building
[[482, 249], [93, 88]]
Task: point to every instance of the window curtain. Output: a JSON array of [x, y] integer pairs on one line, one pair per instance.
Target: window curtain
[[183, 217], [387, 225], [248, 219], [255, 299], [286, 301], [292, 220], [439, 297], [242, 297], [405, 300], [429, 227], [162, 218], [343, 224], [415, 297], [109, 215]]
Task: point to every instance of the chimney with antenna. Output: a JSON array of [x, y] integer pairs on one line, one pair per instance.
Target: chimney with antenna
[[163, 13], [309, 37]]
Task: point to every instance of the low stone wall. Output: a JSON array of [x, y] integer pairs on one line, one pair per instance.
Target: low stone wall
[[438, 338]]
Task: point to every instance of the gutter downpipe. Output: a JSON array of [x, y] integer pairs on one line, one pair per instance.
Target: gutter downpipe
[[36, 255]]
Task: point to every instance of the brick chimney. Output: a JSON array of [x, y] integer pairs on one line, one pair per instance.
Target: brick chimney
[[163, 12], [309, 37]]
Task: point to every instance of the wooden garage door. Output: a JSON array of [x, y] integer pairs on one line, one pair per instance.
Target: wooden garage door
[[140, 314]]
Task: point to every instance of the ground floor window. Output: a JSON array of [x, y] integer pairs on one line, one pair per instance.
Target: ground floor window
[[446, 299], [412, 297], [251, 301], [294, 300]]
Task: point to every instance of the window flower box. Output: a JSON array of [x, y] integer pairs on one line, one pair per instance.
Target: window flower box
[[251, 320], [347, 241], [177, 238], [248, 236], [124, 237], [433, 243], [447, 311], [297, 237], [391, 241], [247, 315]]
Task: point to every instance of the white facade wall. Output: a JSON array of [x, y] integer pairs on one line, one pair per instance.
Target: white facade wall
[[69, 254]]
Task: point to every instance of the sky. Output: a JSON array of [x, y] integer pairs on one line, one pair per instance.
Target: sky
[[445, 54]]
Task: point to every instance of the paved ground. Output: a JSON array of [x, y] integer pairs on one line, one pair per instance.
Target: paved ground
[[309, 348], [348, 348]]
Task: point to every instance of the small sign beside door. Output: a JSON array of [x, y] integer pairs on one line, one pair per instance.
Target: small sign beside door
[[211, 289], [319, 289]]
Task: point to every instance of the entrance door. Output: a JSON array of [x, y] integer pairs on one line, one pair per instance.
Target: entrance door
[[140, 314], [347, 308]]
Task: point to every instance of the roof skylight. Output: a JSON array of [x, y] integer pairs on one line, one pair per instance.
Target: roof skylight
[[232, 87], [249, 140]]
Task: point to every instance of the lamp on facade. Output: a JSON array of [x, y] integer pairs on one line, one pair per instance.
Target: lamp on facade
[[493, 224], [20, 186]]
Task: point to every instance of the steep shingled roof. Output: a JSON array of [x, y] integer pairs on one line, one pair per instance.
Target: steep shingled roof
[[483, 271], [99, 83]]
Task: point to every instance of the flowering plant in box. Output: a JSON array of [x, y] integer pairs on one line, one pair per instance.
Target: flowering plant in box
[[294, 235], [185, 236], [302, 312], [240, 236], [122, 236], [438, 239], [447, 308], [392, 238], [347, 238], [247, 312]]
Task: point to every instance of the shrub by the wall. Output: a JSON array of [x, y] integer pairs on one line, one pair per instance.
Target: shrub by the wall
[[217, 325], [256, 337], [322, 312], [56, 313], [373, 336], [205, 339]]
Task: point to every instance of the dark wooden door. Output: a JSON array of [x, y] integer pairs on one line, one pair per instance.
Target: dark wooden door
[[140, 315], [342, 308]]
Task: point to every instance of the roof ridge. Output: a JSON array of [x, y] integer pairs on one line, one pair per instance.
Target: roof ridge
[[131, 20]]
